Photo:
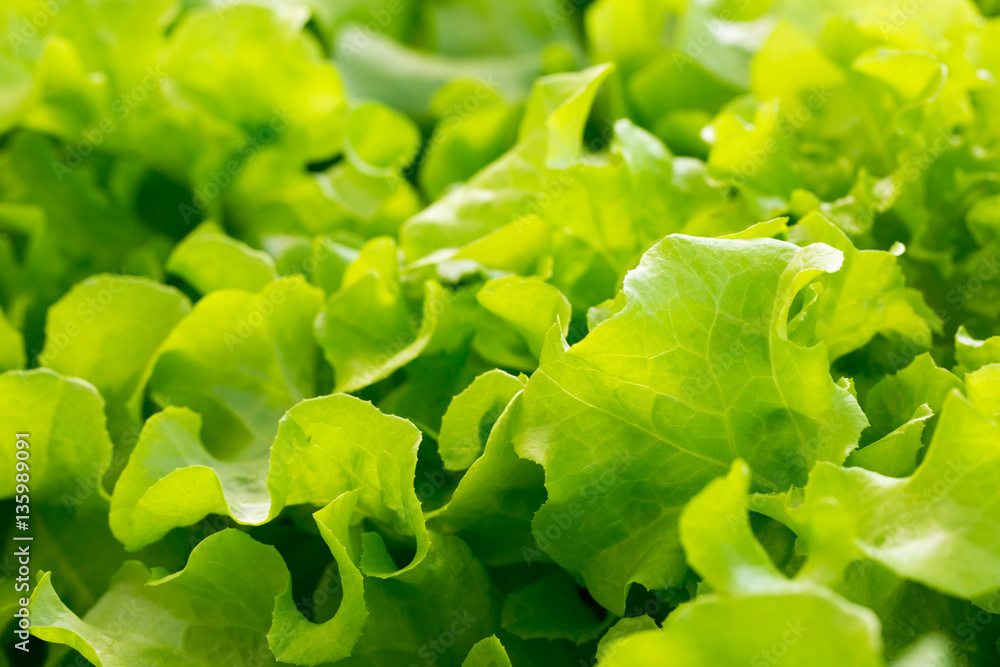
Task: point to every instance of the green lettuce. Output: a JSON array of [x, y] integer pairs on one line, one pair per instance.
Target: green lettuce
[[60, 495], [225, 621], [227, 333], [696, 370], [899, 523], [500, 332], [773, 618]]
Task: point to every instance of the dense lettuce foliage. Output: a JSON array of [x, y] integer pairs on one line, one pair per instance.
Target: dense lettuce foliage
[[502, 332]]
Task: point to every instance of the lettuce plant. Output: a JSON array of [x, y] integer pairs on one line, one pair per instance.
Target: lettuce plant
[[618, 333]]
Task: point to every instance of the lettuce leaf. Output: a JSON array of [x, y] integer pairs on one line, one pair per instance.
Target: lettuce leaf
[[170, 456], [61, 496], [771, 615], [501, 332], [256, 353], [226, 593], [207, 259], [659, 399], [107, 330], [899, 523], [487, 653]]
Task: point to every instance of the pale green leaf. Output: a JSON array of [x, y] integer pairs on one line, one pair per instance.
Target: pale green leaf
[[867, 296], [208, 259], [471, 415], [938, 526], [528, 308], [107, 330], [365, 350], [67, 442], [215, 611], [487, 653], [895, 455], [658, 400], [492, 507], [241, 360]]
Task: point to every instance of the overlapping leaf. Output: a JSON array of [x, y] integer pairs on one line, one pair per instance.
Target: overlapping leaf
[[694, 371]]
